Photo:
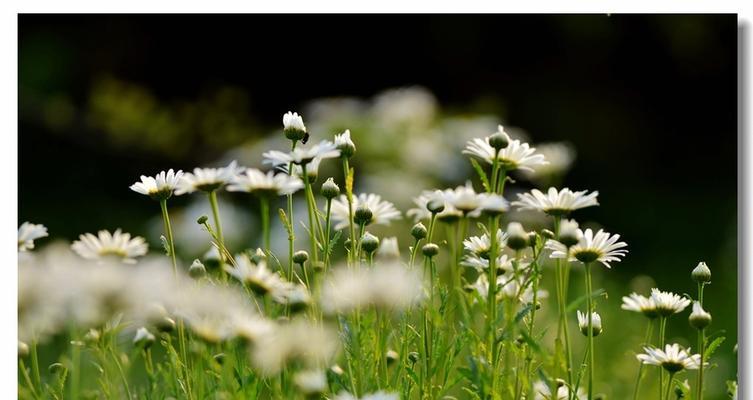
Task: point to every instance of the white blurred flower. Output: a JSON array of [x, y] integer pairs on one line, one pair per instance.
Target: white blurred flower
[[256, 276], [463, 198], [504, 263], [302, 155], [421, 211], [668, 303], [207, 179], [257, 182], [560, 156], [673, 358], [160, 186], [388, 249], [515, 156], [108, 245], [28, 233], [380, 395], [555, 202], [383, 212], [601, 247], [411, 107], [301, 341], [311, 381], [641, 304]]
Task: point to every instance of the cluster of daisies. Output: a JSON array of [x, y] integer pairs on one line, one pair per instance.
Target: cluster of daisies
[[496, 271]]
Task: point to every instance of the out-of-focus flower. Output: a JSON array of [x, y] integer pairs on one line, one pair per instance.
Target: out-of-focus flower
[[463, 198], [158, 187], [583, 323], [28, 233], [388, 286], [503, 264], [388, 249], [380, 395], [560, 156], [311, 382], [108, 245], [668, 303], [207, 179], [515, 156], [642, 304], [143, 338], [256, 276], [555, 202], [409, 107], [382, 212], [601, 247], [673, 358], [265, 185], [300, 341], [491, 204], [423, 211], [302, 155]]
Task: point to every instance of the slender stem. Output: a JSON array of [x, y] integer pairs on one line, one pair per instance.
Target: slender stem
[[502, 180], [328, 223], [562, 302], [590, 310], [169, 233], [264, 209], [291, 234], [646, 342], [35, 364], [662, 332], [351, 224], [534, 306], [491, 301], [669, 385], [413, 252], [312, 232], [701, 345], [27, 378]]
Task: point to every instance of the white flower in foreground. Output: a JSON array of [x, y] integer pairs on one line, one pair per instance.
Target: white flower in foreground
[[600, 247], [389, 286], [297, 341], [257, 276], [463, 198], [642, 304], [108, 245], [311, 382], [668, 303], [388, 249], [383, 212], [674, 359], [516, 155], [481, 245], [583, 323], [293, 121], [380, 395], [160, 186], [345, 144], [542, 391], [302, 155], [28, 233], [555, 202], [265, 185], [207, 179]]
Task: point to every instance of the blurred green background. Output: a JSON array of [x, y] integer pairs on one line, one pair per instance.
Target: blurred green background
[[649, 102]]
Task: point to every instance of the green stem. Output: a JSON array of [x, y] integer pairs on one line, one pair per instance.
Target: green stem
[[169, 233], [35, 364], [413, 252], [27, 378], [328, 223], [669, 386], [529, 356], [491, 301], [312, 232], [701, 345], [662, 333], [218, 228], [351, 224], [291, 234], [590, 310], [264, 209], [646, 342]]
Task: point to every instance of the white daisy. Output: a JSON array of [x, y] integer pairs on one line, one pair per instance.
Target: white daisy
[[642, 304], [674, 359], [463, 198], [257, 276], [516, 155], [601, 247], [668, 303], [207, 179], [302, 155], [503, 264], [421, 211], [257, 182], [158, 187], [556, 202], [583, 323], [481, 245], [560, 156], [490, 204], [106, 245], [293, 121], [383, 212], [542, 391], [345, 144], [388, 248], [28, 233], [312, 170]]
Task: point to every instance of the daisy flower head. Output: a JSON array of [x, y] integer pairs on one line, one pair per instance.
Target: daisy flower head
[[668, 303], [207, 179], [293, 127], [382, 211], [569, 234], [302, 155], [542, 391], [427, 203], [503, 264], [490, 204], [345, 144], [265, 185], [673, 358], [106, 245], [463, 198], [160, 186], [641, 304], [560, 156], [556, 203], [515, 155], [599, 247], [583, 323], [255, 275], [28, 233], [481, 245]]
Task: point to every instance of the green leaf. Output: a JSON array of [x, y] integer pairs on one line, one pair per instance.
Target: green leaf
[[582, 299], [481, 174], [712, 347]]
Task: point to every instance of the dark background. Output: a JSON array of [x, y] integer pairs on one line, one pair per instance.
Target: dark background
[[649, 101]]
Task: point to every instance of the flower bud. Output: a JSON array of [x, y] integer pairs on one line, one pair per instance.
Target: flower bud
[[701, 273], [517, 237], [413, 357], [202, 220], [532, 238], [547, 233], [699, 318], [197, 269], [430, 250], [595, 322], [363, 215], [143, 338], [435, 205], [569, 233], [500, 139], [92, 336], [300, 257], [369, 243], [258, 256], [337, 370], [391, 357], [219, 358], [330, 189], [418, 231], [345, 144], [293, 127]]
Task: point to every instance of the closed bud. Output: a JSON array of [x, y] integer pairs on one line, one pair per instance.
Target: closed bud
[[57, 368], [435, 205], [517, 237], [300, 257], [202, 220], [293, 127], [143, 338], [547, 234], [197, 269], [595, 322], [532, 238], [363, 215], [418, 231], [330, 189], [430, 250], [499, 140], [701, 273], [413, 357], [369, 243], [699, 318], [345, 144]]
